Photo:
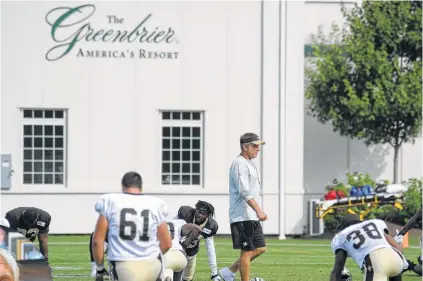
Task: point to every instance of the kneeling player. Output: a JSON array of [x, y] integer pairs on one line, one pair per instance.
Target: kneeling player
[[375, 252], [175, 260]]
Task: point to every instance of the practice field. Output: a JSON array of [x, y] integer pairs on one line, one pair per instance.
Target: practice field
[[288, 260]]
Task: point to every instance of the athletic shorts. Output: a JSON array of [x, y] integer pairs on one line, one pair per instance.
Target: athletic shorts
[[247, 235]]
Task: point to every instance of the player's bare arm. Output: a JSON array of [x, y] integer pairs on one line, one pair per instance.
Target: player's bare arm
[[190, 232], [393, 243], [164, 237], [43, 240], [98, 241], [340, 259]]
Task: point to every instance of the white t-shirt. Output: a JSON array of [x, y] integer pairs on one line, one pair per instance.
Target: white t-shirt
[[175, 227], [133, 222], [244, 184], [360, 239]]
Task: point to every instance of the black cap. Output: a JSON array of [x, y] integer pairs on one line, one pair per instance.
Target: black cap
[[251, 138], [350, 219], [30, 217]]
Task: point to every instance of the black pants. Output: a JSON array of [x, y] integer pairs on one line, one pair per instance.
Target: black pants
[[247, 235]]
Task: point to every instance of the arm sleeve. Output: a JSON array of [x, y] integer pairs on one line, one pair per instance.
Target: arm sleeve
[[244, 182], [211, 255], [337, 244]]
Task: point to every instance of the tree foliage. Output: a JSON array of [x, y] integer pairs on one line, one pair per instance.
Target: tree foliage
[[367, 78]]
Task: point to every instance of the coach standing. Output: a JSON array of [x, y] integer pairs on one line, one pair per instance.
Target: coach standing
[[244, 212]]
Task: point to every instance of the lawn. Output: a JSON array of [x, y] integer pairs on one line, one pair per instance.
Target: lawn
[[288, 260]]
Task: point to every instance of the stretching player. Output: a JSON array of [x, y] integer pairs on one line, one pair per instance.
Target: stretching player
[[175, 260], [138, 233], [370, 246], [202, 216]]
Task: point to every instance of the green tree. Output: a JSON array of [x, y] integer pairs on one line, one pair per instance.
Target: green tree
[[367, 77]]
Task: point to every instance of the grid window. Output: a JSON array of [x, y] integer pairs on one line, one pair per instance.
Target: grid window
[[44, 146], [182, 148]]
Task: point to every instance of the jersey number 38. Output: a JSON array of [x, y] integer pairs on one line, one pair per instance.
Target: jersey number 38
[[358, 237], [132, 226]]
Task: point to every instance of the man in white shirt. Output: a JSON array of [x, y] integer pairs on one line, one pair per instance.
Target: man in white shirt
[[138, 234], [370, 246], [244, 212]]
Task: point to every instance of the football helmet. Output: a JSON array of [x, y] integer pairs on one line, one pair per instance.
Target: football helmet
[[346, 274]]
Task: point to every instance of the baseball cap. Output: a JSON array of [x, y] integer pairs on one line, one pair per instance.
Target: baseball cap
[[251, 138]]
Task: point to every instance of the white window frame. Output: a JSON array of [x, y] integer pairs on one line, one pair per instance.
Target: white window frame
[[45, 122], [182, 123]]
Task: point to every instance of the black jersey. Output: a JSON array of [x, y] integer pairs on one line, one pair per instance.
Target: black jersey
[[30, 232], [187, 214]]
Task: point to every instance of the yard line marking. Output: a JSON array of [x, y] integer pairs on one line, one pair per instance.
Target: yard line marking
[[226, 244]]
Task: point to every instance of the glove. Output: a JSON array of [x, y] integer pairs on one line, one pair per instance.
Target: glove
[[399, 238], [102, 275], [216, 277]]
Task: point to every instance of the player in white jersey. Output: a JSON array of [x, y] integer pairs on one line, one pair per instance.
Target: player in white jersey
[[370, 246], [175, 260], [137, 233]]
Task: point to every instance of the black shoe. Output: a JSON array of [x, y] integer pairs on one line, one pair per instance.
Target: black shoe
[[411, 265], [419, 259]]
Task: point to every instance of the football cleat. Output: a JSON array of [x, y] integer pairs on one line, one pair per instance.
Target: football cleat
[[346, 275]]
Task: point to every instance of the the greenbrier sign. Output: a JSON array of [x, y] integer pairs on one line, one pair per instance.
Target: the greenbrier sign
[[72, 32]]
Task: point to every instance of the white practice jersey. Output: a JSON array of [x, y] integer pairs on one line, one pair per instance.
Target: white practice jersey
[[360, 239], [133, 222], [175, 227]]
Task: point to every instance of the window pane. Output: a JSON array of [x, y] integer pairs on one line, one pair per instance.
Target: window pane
[[48, 178], [186, 115], [58, 130], [196, 144], [38, 166], [196, 167], [186, 179], [27, 113], [38, 130], [165, 155], [58, 114], [176, 168], [48, 114], [38, 154], [186, 132], [27, 167], [176, 131], [48, 130], [48, 167], [58, 167], [38, 113], [166, 179], [38, 178], [176, 115], [48, 142], [27, 178], [186, 155], [58, 179], [196, 131], [27, 130], [195, 179], [27, 154], [196, 115], [176, 155], [165, 168], [176, 179], [196, 155], [38, 142], [186, 144], [27, 142], [58, 154], [166, 144], [185, 168], [166, 115], [48, 154], [176, 143], [58, 142], [166, 131]]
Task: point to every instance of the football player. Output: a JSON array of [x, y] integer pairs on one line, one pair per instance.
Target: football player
[[202, 216], [183, 234], [31, 222], [370, 246], [138, 234]]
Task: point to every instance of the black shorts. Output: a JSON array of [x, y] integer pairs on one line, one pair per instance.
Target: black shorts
[[247, 235]]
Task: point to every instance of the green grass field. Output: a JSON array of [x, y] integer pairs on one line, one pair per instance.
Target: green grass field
[[288, 260]]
